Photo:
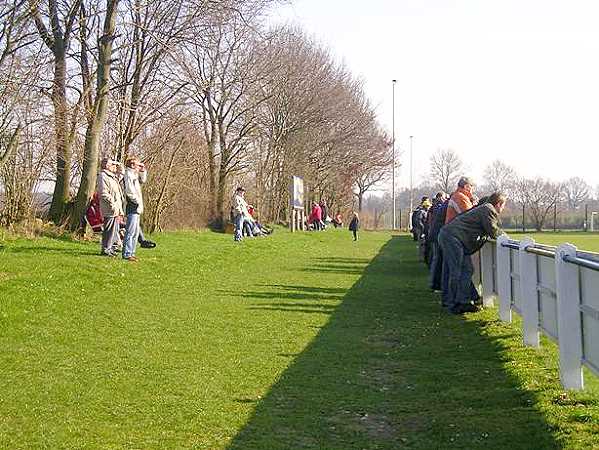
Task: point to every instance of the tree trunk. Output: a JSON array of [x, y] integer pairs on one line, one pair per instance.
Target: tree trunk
[[61, 195], [13, 143], [96, 123], [220, 197]]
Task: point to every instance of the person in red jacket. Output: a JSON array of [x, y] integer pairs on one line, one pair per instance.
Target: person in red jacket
[[461, 200], [316, 217]]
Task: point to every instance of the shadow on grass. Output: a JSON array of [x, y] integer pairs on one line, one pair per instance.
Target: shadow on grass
[[290, 293], [390, 370]]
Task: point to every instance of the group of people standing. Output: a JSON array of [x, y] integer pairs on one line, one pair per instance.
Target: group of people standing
[[450, 230], [243, 218], [121, 205], [319, 216]]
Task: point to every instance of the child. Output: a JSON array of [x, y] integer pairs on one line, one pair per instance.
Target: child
[[354, 225]]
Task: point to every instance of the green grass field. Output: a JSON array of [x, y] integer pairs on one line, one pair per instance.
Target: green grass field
[[308, 341], [584, 241]]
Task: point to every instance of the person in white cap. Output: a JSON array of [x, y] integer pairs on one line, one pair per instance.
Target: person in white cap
[[111, 205]]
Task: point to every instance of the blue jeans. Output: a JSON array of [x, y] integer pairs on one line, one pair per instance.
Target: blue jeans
[[457, 271], [131, 233], [238, 227]]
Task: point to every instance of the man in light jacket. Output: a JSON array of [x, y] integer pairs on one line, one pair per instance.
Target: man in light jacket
[[240, 212], [135, 176], [111, 205]]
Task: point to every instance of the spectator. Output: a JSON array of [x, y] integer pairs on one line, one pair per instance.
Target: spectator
[[338, 220], [436, 219], [141, 239], [428, 248], [315, 218], [419, 218], [111, 205], [257, 228], [93, 214], [324, 213], [462, 237], [461, 200], [354, 225], [135, 176], [240, 211]]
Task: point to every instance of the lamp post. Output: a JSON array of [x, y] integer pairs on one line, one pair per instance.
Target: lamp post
[[393, 162], [411, 183]]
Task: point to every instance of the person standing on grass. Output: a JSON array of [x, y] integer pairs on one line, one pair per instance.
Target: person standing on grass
[[462, 237], [324, 213], [240, 212], [316, 217], [135, 176], [436, 219], [111, 205], [354, 225], [460, 201], [419, 218]]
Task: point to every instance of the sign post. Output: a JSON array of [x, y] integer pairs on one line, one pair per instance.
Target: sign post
[[297, 211]]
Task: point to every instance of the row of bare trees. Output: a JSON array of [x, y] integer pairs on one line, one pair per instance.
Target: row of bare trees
[[202, 90], [535, 202], [541, 197]]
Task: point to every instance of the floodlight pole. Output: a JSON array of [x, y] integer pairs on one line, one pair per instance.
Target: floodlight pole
[[411, 181], [393, 162]]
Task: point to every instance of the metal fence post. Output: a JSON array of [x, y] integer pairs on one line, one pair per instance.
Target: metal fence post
[[528, 293], [504, 282], [487, 275], [568, 319]]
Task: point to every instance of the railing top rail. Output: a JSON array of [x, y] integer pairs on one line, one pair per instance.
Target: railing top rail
[[588, 255], [549, 251], [511, 244], [541, 251], [593, 265]]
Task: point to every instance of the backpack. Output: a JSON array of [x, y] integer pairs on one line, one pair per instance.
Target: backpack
[[93, 214]]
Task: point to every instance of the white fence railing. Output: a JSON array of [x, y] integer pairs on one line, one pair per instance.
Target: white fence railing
[[554, 290]]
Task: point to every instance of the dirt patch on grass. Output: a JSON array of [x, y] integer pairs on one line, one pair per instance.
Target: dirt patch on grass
[[376, 426]]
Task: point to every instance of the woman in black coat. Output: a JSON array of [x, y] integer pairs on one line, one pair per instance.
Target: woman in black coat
[[354, 225]]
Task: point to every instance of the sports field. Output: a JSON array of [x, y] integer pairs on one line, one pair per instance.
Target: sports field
[[584, 241], [308, 341]]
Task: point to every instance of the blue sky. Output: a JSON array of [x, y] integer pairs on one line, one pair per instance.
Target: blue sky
[[515, 80]]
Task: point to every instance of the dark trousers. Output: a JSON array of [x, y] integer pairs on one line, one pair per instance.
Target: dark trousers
[[355, 233], [458, 271], [436, 266]]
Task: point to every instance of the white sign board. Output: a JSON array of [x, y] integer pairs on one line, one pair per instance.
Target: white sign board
[[297, 200]]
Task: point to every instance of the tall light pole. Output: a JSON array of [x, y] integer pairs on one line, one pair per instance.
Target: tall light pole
[[393, 163], [411, 182]]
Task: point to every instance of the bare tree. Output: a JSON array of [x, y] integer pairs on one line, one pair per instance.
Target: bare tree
[[15, 36], [539, 196], [226, 80], [576, 192], [55, 26], [499, 177], [446, 168], [96, 116], [374, 169]]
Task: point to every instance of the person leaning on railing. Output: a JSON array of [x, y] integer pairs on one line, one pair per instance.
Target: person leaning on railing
[[462, 237]]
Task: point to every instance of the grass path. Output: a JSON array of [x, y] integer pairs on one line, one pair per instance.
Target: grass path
[[310, 342]]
